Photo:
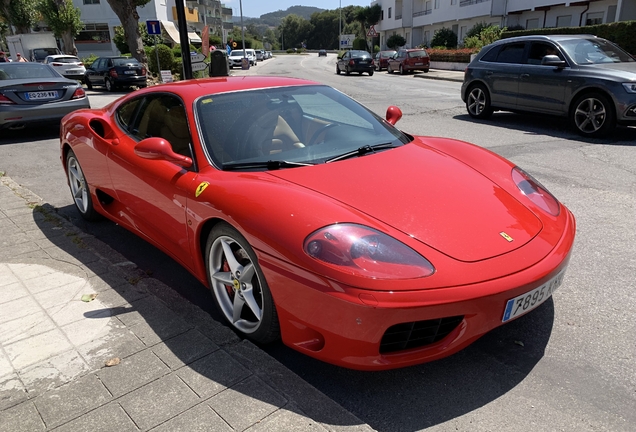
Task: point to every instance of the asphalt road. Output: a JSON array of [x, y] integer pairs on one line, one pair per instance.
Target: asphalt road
[[569, 365]]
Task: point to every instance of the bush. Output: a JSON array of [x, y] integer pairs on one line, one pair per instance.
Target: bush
[[176, 51], [166, 58], [88, 61], [360, 44], [475, 30], [395, 41], [461, 55], [444, 37], [177, 68], [487, 36], [376, 49], [290, 51]]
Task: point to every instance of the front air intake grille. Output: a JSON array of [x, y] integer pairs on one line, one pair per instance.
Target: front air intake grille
[[417, 334]]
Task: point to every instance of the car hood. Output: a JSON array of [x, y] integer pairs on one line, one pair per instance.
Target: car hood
[[625, 70], [429, 196]]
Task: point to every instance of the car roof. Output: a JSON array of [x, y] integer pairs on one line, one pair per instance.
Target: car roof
[[553, 38], [62, 55]]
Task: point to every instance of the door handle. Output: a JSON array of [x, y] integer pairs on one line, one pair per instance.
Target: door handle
[[525, 75], [489, 72]]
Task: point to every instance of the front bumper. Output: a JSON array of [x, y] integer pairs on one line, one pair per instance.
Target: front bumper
[[344, 325]]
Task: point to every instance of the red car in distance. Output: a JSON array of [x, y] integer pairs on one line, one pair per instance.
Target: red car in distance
[[409, 60], [282, 196], [382, 59]]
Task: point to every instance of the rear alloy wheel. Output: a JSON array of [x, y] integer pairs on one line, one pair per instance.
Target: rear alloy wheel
[[109, 85], [592, 115], [478, 102], [239, 287], [79, 188]]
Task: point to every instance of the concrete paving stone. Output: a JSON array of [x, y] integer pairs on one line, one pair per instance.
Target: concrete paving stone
[[17, 250], [18, 308], [25, 327], [29, 220], [77, 310], [287, 419], [44, 231], [107, 280], [152, 321], [72, 400], [184, 349], [213, 374], [158, 401], [6, 224], [73, 254], [108, 418], [6, 275], [84, 331], [5, 365], [53, 372], [124, 294], [217, 332], [29, 270], [50, 265], [201, 418], [52, 279], [36, 348], [63, 294], [133, 372], [15, 238], [246, 403], [12, 292], [120, 342], [12, 391], [14, 209], [21, 418]]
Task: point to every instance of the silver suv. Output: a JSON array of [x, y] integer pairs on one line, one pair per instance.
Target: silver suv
[[585, 78]]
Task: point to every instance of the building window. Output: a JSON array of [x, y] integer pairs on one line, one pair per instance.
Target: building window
[[389, 12], [94, 33], [90, 2], [382, 17], [564, 21], [532, 23], [453, 2], [594, 18], [436, 4]]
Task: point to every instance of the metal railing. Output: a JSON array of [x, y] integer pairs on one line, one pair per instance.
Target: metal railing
[[470, 2], [424, 12]]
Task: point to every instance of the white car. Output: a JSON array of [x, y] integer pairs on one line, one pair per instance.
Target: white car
[[67, 65], [236, 57]]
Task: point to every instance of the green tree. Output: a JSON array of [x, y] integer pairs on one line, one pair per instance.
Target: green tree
[[325, 28], [444, 37], [22, 14], [126, 11], [147, 40], [296, 30], [395, 41], [64, 19]]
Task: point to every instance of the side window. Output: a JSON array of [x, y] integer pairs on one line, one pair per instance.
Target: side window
[[538, 50], [164, 116], [511, 53], [491, 56], [125, 113]]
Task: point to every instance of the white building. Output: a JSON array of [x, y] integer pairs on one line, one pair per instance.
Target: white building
[[417, 20], [100, 22]]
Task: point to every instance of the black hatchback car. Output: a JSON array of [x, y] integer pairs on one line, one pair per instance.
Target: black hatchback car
[[114, 72], [355, 61], [585, 78]]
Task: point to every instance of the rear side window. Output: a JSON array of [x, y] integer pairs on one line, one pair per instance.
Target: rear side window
[[126, 112], [511, 53], [491, 56]]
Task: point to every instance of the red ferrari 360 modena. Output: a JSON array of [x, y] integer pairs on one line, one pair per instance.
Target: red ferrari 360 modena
[[314, 220]]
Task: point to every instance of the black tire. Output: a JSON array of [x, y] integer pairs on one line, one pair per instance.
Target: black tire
[[79, 188], [88, 83], [401, 70], [389, 70], [478, 102], [109, 85], [240, 281], [347, 71], [338, 70], [371, 72], [592, 115]]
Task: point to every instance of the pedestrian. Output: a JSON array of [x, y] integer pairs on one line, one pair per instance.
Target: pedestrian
[[3, 57], [21, 59]]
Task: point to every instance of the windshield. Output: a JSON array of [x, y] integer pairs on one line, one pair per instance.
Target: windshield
[[26, 71], [594, 51], [64, 60], [237, 53], [302, 124]]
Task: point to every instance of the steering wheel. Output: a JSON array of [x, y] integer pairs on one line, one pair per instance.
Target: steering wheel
[[323, 129]]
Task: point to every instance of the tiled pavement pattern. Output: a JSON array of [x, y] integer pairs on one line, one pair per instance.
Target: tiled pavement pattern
[[180, 370]]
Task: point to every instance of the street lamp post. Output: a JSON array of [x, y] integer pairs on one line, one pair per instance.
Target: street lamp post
[[340, 34]]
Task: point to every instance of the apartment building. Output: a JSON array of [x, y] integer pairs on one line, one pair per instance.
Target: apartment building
[[417, 20], [100, 22]]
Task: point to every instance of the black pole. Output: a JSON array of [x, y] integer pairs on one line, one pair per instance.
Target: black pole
[[183, 38]]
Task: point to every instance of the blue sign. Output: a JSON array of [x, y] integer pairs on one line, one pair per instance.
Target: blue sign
[[153, 27]]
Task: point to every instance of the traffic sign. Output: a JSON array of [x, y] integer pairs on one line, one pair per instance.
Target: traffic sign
[[153, 27], [199, 66], [346, 41], [372, 32], [196, 58]]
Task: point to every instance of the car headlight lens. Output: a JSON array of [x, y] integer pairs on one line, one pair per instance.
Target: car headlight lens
[[630, 87], [535, 191], [363, 251]]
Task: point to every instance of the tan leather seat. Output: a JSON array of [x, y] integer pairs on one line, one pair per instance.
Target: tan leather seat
[[175, 130], [152, 120]]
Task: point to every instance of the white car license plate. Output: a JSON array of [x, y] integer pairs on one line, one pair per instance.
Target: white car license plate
[[41, 95], [129, 72], [526, 302], [363, 62], [419, 64]]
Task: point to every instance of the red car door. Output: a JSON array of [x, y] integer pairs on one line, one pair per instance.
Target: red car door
[[153, 193]]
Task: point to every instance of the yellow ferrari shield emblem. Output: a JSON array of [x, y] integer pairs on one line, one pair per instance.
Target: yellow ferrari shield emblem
[[506, 236], [200, 189]]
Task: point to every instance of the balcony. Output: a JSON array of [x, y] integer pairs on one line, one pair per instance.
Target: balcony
[[228, 25], [470, 2], [226, 11], [422, 13]]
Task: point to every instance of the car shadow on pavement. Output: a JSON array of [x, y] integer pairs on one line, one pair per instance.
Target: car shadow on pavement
[[167, 344], [557, 127], [28, 134]]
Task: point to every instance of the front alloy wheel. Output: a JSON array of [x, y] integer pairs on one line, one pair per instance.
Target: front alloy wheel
[[109, 85], [593, 115], [239, 285]]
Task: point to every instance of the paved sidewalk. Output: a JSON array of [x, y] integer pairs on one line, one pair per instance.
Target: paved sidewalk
[[440, 74], [70, 305]]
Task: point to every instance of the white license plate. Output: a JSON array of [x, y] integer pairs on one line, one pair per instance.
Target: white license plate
[[532, 299], [419, 64], [129, 72], [363, 62], [41, 95]]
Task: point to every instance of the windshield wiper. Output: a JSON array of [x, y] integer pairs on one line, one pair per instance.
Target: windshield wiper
[[269, 165], [361, 151]]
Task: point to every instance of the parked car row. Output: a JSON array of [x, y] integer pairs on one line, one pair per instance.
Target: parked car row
[[402, 61]]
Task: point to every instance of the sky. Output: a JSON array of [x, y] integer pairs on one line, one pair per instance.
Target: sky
[[256, 8]]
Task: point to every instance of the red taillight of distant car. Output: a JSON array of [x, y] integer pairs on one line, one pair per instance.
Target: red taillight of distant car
[[113, 73], [5, 100], [79, 93]]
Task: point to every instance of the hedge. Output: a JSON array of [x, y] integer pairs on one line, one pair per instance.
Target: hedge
[[621, 33], [461, 55]]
